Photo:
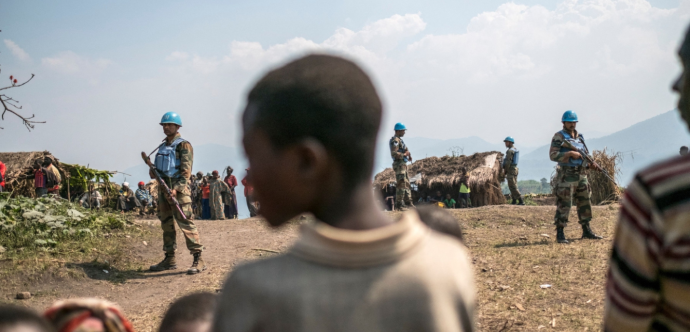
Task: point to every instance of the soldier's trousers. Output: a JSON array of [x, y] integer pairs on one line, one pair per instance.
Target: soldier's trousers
[[168, 215], [511, 177], [572, 186], [403, 194]]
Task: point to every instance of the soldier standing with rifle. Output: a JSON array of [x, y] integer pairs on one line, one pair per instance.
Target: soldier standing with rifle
[[567, 149], [510, 169], [401, 155], [173, 169]]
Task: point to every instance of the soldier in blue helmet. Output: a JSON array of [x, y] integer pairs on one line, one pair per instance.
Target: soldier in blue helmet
[[571, 178], [510, 169], [401, 155], [174, 164]]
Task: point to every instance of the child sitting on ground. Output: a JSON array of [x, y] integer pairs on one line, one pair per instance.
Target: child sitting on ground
[[310, 129]]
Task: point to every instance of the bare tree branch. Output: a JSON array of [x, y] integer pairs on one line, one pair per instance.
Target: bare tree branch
[[12, 105]]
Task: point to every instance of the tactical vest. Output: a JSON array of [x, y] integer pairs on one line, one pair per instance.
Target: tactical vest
[[167, 160], [576, 142], [516, 158], [402, 148]]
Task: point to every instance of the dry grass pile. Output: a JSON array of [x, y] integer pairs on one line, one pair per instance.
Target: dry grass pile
[[444, 174], [604, 191], [19, 166]]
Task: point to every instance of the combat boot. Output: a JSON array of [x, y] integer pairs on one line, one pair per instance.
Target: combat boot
[[520, 201], [513, 201], [168, 263], [588, 234], [198, 265], [560, 235]]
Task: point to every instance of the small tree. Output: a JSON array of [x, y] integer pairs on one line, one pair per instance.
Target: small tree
[[545, 185], [12, 105]]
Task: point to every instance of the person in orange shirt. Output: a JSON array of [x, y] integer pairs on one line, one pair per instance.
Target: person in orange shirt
[[205, 203], [3, 169]]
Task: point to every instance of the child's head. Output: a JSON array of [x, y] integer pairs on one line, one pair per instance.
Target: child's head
[[17, 319], [191, 313], [88, 315], [310, 132], [447, 196], [440, 220]]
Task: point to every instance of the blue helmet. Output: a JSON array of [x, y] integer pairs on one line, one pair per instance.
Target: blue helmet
[[569, 116], [509, 139], [400, 126], [171, 117]]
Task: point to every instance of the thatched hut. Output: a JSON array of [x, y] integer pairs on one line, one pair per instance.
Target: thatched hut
[[602, 190], [19, 164], [433, 173], [75, 178]]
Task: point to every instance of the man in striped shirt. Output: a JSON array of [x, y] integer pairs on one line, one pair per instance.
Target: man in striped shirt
[[648, 286]]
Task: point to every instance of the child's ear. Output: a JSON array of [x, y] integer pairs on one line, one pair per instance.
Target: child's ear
[[313, 159]]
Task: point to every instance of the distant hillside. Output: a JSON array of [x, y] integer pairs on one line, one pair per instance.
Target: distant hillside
[[642, 144]]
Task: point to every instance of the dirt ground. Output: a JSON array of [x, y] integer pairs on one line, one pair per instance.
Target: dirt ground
[[511, 251]]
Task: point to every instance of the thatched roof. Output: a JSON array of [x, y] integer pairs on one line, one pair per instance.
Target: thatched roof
[[446, 170], [18, 165], [444, 174]]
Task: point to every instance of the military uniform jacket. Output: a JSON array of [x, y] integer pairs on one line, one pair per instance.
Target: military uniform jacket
[[557, 152], [398, 149], [180, 183], [511, 159]]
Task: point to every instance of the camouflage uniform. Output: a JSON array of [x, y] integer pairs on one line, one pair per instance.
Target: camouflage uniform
[[167, 212], [571, 184], [511, 170], [403, 195]]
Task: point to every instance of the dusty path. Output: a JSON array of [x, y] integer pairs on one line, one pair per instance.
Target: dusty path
[[509, 244], [145, 297]]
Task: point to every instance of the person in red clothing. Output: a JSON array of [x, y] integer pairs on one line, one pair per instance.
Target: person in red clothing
[[40, 180], [205, 194], [231, 207], [3, 169], [249, 195]]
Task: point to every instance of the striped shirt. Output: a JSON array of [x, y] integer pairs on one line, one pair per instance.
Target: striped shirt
[[648, 286]]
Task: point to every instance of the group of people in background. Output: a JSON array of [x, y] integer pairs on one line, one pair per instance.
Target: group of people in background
[[216, 199]]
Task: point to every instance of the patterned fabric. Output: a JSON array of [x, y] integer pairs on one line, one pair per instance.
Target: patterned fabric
[[556, 151], [648, 286], [572, 185], [403, 195], [87, 315], [217, 189], [3, 169], [143, 195], [511, 176], [168, 215]]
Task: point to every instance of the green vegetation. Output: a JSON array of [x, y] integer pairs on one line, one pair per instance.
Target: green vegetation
[[529, 187], [49, 232]]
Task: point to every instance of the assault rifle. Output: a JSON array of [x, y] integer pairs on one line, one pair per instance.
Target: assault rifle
[[154, 171], [585, 155]]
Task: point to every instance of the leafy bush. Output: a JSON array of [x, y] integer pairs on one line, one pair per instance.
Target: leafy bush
[[44, 222]]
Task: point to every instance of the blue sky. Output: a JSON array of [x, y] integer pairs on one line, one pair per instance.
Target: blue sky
[[106, 70]]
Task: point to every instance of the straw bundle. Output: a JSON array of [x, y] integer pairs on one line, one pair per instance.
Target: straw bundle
[[19, 165], [444, 174], [602, 190]]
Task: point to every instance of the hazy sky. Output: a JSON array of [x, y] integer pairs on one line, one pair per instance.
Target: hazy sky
[[107, 70]]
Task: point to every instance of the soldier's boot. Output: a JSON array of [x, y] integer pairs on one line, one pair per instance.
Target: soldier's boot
[[168, 263], [513, 201], [588, 234], [520, 201], [198, 265], [560, 235]]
